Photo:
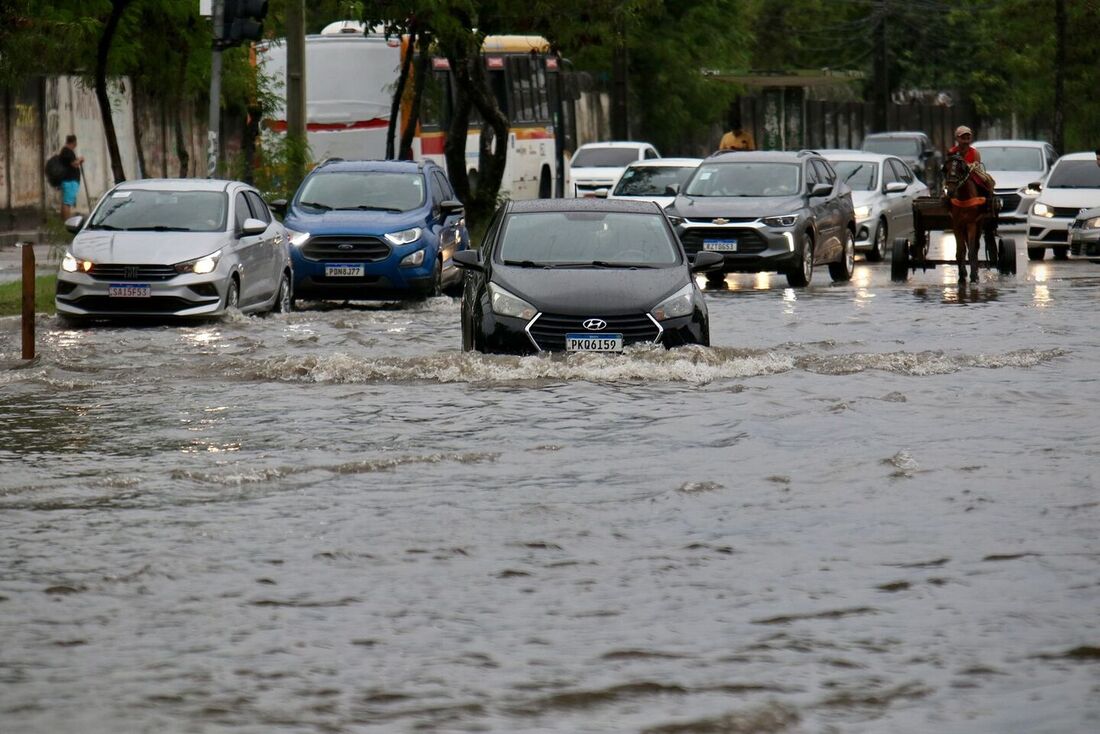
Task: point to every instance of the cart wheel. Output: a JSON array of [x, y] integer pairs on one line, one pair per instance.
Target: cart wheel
[[992, 251], [1007, 262], [899, 260]]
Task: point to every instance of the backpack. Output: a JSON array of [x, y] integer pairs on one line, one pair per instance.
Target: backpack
[[55, 170]]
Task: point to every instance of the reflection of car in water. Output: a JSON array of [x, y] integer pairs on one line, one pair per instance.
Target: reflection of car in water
[[585, 275], [654, 180], [175, 247], [1015, 165], [768, 211], [598, 166], [1072, 185], [883, 189], [915, 148]]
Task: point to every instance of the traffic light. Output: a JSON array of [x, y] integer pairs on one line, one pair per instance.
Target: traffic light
[[243, 21]]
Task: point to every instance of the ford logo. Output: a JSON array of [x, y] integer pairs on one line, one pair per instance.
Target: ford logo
[[594, 324], [346, 247], [721, 221]]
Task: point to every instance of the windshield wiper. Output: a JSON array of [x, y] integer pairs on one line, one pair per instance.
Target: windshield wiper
[[855, 170], [111, 227], [158, 228], [608, 264], [527, 264], [368, 208], [316, 205]]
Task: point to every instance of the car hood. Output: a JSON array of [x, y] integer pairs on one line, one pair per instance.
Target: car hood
[[145, 248], [701, 207], [1014, 179], [661, 201], [591, 292], [596, 175], [356, 222], [1064, 198]]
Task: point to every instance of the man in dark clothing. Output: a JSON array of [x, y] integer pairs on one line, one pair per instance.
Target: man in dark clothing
[[70, 183]]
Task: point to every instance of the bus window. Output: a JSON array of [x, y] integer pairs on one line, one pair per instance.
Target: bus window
[[498, 82], [542, 106], [519, 92]]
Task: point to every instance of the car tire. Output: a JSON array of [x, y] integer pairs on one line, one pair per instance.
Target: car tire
[[233, 295], [284, 299], [878, 247], [437, 279], [1061, 253], [841, 271], [801, 276], [1036, 253]]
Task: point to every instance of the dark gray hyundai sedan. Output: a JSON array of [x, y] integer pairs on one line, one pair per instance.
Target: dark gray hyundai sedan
[[581, 275]]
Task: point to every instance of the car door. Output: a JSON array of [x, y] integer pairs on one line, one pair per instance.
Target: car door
[[893, 203], [249, 250], [451, 229], [273, 248], [831, 223]]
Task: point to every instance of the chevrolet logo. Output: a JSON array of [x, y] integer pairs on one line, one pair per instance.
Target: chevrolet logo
[[721, 221]]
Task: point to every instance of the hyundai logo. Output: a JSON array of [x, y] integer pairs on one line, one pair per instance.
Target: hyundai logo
[[346, 246], [721, 220], [594, 324]]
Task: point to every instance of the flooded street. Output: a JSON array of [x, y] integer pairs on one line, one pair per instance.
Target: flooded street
[[870, 507]]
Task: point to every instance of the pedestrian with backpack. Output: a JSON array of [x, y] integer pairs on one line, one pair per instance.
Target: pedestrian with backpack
[[69, 169]]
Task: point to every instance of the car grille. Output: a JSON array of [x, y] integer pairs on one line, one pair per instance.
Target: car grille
[[156, 304], [336, 249], [1009, 202], [549, 330], [1066, 211], [749, 241], [710, 220], [1054, 235], [143, 273]]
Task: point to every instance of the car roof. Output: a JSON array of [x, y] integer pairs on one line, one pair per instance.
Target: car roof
[[617, 144], [1083, 156], [179, 184], [759, 156], [854, 155], [1011, 143], [580, 205], [665, 162], [898, 134], [340, 164]]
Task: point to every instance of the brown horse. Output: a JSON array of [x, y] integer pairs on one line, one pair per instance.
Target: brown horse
[[970, 207]]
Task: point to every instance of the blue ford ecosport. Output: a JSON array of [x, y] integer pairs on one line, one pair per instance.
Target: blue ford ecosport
[[363, 230]]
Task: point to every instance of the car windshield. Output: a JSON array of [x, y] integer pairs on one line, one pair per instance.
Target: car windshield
[[1075, 175], [651, 180], [1011, 158], [363, 190], [745, 179], [162, 211], [604, 157], [907, 147], [859, 175], [587, 238]]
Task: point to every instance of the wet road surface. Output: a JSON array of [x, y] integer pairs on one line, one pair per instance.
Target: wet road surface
[[870, 507]]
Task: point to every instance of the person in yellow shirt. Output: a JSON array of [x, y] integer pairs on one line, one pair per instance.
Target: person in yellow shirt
[[737, 138]]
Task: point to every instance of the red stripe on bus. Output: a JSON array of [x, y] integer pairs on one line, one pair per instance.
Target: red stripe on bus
[[431, 144], [279, 126]]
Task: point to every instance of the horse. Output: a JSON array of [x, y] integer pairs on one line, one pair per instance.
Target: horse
[[969, 207]]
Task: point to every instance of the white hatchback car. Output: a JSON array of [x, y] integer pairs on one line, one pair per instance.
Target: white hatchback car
[[1015, 165], [1073, 185], [656, 180], [598, 165], [883, 189]]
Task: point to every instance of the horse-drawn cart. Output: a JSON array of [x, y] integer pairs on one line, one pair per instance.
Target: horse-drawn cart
[[931, 213]]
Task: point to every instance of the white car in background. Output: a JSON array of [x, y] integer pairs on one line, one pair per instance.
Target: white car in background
[[883, 188], [1073, 185], [597, 166], [1015, 165], [654, 180]]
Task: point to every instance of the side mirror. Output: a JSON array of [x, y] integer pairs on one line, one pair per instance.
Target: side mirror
[[599, 194], [73, 224], [1035, 186], [253, 226], [896, 187], [468, 259], [278, 206], [705, 261], [452, 207], [821, 189], [672, 189], [925, 155]]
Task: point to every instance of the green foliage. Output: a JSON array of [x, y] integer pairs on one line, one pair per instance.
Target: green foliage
[[11, 296], [272, 169]]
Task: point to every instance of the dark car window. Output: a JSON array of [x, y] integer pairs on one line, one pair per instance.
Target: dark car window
[[745, 179], [384, 190], [1075, 175], [890, 174], [651, 180], [241, 211], [859, 175], [901, 171], [259, 208], [143, 209], [444, 185], [605, 157], [824, 173], [906, 147], [437, 191], [584, 236], [651, 154], [813, 176]]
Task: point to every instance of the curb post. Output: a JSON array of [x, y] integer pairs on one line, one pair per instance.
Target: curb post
[[28, 300]]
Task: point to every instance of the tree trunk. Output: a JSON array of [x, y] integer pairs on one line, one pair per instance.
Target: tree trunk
[[118, 7], [1059, 132], [419, 77], [136, 106], [398, 93]]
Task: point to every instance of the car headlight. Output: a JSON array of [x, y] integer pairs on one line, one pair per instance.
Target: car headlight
[[786, 220], [201, 265], [411, 261], [863, 212], [680, 303], [71, 265], [506, 304], [1042, 210], [404, 237], [1093, 223], [297, 238]]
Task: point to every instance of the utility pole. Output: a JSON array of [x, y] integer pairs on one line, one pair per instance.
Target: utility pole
[[212, 147], [1058, 136], [296, 89], [620, 121], [881, 92]]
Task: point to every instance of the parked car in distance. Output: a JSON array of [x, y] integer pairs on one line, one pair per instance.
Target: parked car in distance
[[581, 275], [1084, 235], [883, 188], [1072, 185], [370, 230], [1015, 165], [915, 148], [784, 212], [175, 247], [596, 166], [653, 180]]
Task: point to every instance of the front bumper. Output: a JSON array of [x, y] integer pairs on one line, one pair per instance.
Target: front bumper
[[80, 294], [1084, 244], [759, 248], [1014, 207], [866, 232], [1047, 232], [546, 332], [382, 280]]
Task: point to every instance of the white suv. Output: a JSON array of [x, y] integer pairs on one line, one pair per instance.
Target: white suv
[[1073, 185], [1015, 165], [598, 165]]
